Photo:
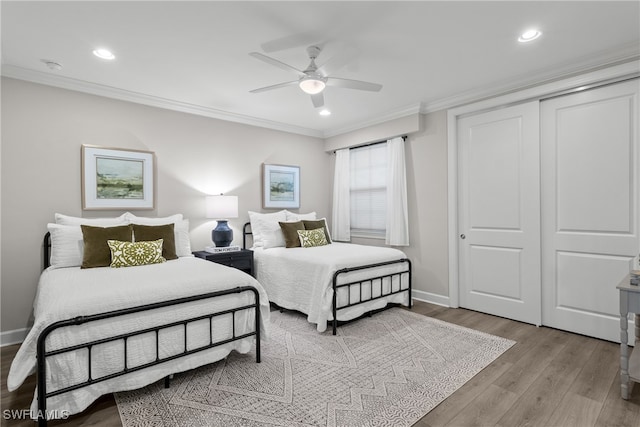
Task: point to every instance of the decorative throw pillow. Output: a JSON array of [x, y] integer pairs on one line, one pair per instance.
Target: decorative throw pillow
[[146, 233], [131, 254], [96, 250], [320, 223], [290, 232], [311, 238]]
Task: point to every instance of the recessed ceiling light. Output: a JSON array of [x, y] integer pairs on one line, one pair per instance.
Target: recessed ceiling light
[[53, 65], [325, 112], [104, 54], [529, 35]]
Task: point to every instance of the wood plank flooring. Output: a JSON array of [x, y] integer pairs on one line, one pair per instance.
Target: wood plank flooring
[[549, 378]]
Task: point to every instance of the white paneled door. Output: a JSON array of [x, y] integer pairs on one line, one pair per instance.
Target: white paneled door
[[499, 212], [589, 172]]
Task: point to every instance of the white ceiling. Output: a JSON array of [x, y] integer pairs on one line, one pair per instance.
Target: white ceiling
[[193, 56]]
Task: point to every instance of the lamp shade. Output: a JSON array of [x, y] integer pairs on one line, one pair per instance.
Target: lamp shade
[[222, 207]]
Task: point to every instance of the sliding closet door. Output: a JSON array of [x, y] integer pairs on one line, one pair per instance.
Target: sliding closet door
[[499, 212], [589, 171]]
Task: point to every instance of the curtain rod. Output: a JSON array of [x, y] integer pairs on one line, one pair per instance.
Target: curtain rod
[[404, 138]]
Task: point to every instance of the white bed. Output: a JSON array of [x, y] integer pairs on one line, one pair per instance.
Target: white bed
[[302, 279], [65, 293]]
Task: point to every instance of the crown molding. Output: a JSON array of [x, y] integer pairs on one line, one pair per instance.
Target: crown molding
[[625, 54], [390, 115], [150, 100]]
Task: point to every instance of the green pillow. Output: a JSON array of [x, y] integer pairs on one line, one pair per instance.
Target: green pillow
[[290, 229], [131, 254], [320, 223], [146, 233], [311, 238], [96, 250]]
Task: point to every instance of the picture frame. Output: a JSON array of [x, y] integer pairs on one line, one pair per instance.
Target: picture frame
[[117, 178], [280, 186]]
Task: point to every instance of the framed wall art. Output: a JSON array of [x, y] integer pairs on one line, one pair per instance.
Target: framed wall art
[[115, 178], [281, 186]]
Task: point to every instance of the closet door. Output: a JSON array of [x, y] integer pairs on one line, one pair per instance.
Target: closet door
[[499, 212], [590, 190]]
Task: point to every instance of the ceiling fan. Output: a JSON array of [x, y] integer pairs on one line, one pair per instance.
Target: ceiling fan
[[313, 79]]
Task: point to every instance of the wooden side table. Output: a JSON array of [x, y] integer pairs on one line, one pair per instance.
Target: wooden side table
[[629, 367], [242, 259]]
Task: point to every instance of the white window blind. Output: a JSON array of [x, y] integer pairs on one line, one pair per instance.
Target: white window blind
[[369, 190]]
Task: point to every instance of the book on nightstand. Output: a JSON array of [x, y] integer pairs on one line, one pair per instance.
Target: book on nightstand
[[217, 250], [635, 277]]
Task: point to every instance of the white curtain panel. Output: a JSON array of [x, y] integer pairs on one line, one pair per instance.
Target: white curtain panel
[[341, 221], [397, 211]]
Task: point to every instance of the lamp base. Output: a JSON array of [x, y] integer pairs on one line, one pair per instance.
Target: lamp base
[[222, 235]]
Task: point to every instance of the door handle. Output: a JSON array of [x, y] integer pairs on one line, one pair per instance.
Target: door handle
[[462, 236]]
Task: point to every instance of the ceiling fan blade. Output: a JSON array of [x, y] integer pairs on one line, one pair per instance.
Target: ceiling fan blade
[[292, 41], [275, 62], [278, 86], [318, 100], [353, 84], [347, 54]]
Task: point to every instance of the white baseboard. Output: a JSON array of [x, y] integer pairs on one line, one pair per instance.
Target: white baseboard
[[430, 298], [13, 337]]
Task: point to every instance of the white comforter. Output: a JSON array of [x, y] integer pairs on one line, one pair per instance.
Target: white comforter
[[69, 292], [301, 278]]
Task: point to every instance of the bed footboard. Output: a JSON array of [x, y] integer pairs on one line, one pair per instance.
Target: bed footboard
[[378, 280], [42, 352]]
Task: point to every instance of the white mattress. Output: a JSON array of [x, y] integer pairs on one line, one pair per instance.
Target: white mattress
[[69, 292], [301, 278]]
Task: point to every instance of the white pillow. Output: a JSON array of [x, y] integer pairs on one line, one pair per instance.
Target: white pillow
[[67, 246], [144, 220], [273, 239], [262, 224], [183, 240], [292, 216], [96, 222]]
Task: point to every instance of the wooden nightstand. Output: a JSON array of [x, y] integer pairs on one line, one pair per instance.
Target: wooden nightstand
[[242, 259]]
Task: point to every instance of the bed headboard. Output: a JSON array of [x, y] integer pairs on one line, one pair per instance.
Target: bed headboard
[[47, 250], [246, 231]]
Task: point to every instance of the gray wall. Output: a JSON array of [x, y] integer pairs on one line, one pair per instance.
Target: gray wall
[[43, 129]]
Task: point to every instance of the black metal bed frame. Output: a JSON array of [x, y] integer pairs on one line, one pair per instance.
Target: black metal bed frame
[[379, 280], [42, 353]]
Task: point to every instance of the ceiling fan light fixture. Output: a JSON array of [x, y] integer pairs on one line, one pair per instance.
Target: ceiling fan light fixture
[[104, 54], [529, 35], [312, 85]]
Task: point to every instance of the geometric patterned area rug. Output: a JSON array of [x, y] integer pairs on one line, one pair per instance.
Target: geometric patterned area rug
[[388, 369]]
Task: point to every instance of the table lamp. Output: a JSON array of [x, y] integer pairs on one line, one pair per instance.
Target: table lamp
[[221, 208]]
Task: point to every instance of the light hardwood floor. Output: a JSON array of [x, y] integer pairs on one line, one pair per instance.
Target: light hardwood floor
[[549, 378]]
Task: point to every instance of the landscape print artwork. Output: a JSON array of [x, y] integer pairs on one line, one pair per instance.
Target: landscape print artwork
[[117, 178], [281, 186]]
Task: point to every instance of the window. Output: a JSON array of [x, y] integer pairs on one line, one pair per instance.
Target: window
[[368, 190]]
